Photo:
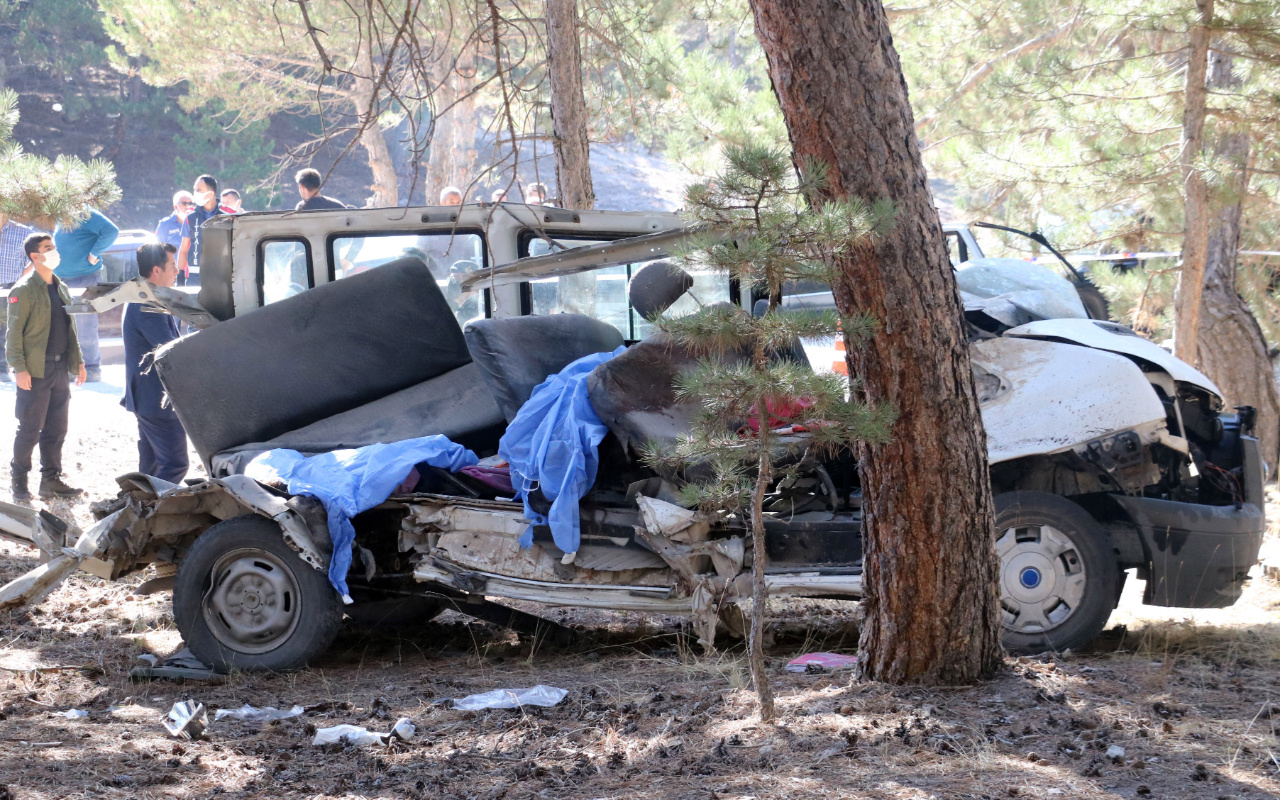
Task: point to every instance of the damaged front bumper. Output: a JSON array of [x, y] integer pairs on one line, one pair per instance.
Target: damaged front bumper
[[1199, 556]]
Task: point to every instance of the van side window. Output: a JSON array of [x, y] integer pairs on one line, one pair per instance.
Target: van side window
[[956, 247], [603, 293], [286, 269], [450, 255]]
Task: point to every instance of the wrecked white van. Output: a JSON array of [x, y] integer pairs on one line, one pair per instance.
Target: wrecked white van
[[1107, 454]]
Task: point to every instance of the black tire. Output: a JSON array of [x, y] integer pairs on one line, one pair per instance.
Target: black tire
[[1095, 302], [269, 610], [1058, 574]]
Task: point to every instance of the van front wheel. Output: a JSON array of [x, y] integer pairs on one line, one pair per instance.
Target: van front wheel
[[1058, 575], [244, 600]]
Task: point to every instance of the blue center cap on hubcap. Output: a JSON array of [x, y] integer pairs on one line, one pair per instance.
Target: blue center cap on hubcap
[[1030, 577]]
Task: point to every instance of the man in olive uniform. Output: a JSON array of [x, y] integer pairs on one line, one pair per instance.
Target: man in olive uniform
[[43, 352]]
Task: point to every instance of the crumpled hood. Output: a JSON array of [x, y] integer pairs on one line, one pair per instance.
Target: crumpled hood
[[1115, 339]]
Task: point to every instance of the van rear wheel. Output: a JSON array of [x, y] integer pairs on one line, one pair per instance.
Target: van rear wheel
[[1058, 575], [244, 600]]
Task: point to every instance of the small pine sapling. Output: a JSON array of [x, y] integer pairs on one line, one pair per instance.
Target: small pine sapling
[[761, 230], [62, 191]]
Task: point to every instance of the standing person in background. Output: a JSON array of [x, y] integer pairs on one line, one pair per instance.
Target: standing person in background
[[309, 189], [206, 197], [43, 353], [536, 194], [12, 262], [231, 203], [451, 196], [169, 231], [162, 442], [81, 249]]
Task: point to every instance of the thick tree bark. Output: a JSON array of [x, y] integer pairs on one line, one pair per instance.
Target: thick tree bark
[[575, 293], [1196, 200], [930, 567], [1232, 349]]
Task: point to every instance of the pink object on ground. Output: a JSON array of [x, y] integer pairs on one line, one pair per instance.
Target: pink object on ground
[[827, 661]]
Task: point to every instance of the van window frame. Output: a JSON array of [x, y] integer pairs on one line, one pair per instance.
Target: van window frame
[[355, 234], [528, 235], [262, 263]]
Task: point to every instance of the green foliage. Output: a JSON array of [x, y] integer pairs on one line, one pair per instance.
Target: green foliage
[[239, 158], [1141, 298], [763, 232], [62, 36], [710, 84], [1079, 134], [34, 188]]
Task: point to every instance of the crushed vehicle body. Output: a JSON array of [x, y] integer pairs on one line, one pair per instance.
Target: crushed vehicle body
[[1107, 454]]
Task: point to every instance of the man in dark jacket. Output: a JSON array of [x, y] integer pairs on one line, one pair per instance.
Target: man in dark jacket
[[43, 352], [309, 190], [162, 442], [205, 193]]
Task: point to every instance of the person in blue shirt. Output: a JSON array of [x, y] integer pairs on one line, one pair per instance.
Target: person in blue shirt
[[206, 197], [162, 441], [169, 231], [81, 247]]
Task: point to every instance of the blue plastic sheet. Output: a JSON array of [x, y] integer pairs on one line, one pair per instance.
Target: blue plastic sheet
[[348, 482], [552, 445]]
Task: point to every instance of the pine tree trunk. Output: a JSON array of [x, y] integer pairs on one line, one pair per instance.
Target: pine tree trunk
[[383, 166], [929, 581], [568, 106], [453, 142], [1195, 240], [1232, 349], [575, 293]]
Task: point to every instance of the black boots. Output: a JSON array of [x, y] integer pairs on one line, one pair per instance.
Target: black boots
[[54, 487], [20, 491]]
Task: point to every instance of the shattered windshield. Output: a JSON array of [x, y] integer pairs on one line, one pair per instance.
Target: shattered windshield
[[1017, 292]]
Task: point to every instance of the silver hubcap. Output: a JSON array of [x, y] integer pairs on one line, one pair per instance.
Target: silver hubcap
[[1042, 578], [252, 603]]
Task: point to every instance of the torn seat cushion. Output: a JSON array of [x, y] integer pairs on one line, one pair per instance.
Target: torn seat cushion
[[515, 354], [312, 356], [634, 394]]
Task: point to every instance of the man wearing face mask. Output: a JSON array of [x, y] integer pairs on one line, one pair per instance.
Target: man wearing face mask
[[169, 231], [206, 197], [82, 247], [43, 352], [162, 442]]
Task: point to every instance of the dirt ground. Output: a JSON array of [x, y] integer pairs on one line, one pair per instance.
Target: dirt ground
[[1169, 703]]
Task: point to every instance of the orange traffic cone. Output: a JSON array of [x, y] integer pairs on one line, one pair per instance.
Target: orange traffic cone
[[840, 366]]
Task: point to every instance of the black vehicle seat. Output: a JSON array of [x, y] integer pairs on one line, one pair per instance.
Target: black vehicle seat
[[374, 357], [515, 354]]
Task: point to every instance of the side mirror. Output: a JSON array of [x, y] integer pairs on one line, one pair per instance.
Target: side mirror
[[656, 286]]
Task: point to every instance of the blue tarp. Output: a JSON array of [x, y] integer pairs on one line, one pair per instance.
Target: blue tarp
[[552, 444], [351, 481]]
